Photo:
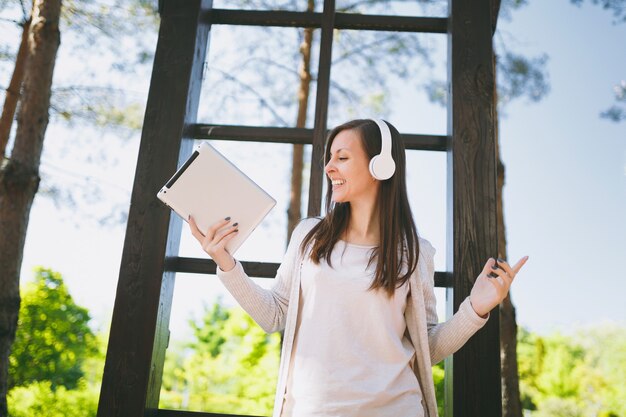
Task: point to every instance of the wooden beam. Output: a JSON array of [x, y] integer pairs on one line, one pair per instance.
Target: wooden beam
[[287, 135], [349, 21], [255, 269], [389, 23], [139, 329], [472, 234], [321, 110], [291, 135]]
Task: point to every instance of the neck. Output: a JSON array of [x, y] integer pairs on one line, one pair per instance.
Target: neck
[[364, 223]]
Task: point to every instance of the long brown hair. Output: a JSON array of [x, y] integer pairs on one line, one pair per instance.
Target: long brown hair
[[399, 244]]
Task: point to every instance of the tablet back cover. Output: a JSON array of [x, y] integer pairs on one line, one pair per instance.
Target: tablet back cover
[[209, 187]]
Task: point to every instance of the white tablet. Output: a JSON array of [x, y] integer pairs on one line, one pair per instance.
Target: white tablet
[[209, 187]]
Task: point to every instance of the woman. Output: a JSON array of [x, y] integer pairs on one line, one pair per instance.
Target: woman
[[354, 293]]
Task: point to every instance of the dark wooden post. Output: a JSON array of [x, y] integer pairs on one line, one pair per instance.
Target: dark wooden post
[[139, 329], [475, 388], [321, 109]]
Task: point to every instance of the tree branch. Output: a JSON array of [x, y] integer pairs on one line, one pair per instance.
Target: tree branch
[[250, 89]]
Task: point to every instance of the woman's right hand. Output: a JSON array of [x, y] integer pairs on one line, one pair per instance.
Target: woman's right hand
[[214, 241]]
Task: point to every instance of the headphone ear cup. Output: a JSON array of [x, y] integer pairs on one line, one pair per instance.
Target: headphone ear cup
[[382, 168]]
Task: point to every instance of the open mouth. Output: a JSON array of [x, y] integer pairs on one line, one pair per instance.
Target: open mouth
[[337, 183]]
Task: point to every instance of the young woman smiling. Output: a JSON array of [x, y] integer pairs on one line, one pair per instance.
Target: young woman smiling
[[354, 293]]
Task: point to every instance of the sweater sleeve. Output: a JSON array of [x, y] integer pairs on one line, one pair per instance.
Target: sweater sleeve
[[445, 338], [267, 307]]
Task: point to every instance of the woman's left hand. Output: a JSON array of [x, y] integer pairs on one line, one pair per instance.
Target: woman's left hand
[[488, 292]]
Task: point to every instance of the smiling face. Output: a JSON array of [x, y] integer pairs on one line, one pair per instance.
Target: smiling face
[[348, 169]]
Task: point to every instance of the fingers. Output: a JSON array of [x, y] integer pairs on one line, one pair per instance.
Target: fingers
[[219, 241], [503, 270], [194, 229], [228, 236], [503, 265], [496, 272], [520, 264], [487, 268], [221, 234], [502, 277], [494, 282], [211, 231], [500, 285], [512, 272], [214, 241]]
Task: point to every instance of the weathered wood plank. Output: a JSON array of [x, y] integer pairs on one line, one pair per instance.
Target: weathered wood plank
[[472, 234], [139, 330], [321, 110], [255, 269], [351, 21], [301, 136]]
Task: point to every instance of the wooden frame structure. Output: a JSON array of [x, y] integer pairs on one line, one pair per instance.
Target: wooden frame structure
[[139, 332]]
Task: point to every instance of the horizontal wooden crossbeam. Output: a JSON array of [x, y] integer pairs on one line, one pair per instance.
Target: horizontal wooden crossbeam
[[280, 18], [256, 269], [292, 135]]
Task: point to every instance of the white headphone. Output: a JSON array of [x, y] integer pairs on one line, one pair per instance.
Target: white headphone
[[382, 166]]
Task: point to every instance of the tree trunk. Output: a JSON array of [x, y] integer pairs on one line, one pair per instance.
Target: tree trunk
[[13, 91], [19, 175], [511, 404], [295, 198]]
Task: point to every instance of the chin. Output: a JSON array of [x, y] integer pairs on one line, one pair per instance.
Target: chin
[[338, 199], [334, 200]]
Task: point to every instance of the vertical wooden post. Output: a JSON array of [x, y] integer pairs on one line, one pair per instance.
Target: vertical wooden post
[[475, 389], [321, 109], [139, 329]]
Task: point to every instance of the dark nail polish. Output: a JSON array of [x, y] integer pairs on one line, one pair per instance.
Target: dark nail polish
[[493, 275], [236, 224], [236, 230], [500, 260], [227, 218]]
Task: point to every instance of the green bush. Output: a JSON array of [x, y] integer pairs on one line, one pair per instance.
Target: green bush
[[53, 337], [40, 399]]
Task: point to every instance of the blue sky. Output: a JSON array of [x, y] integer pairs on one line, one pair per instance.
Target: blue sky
[[565, 192], [565, 197]]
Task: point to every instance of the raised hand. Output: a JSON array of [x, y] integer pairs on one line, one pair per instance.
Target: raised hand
[[489, 290], [214, 241]]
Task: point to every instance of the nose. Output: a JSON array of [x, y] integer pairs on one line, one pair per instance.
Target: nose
[[329, 167]]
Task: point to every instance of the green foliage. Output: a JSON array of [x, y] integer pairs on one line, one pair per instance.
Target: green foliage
[[209, 335], [560, 407], [57, 362], [438, 378], [40, 399], [53, 338], [230, 367], [130, 117], [579, 375]]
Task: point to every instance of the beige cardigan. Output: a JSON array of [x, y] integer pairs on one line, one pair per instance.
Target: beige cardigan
[[433, 341]]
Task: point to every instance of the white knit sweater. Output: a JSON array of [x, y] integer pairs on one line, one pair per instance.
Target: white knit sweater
[[277, 308]]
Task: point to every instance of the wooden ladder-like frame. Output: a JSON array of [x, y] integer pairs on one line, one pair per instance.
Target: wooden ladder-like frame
[[139, 331]]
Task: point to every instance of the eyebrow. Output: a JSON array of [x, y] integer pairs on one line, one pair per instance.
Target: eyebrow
[[340, 149]]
